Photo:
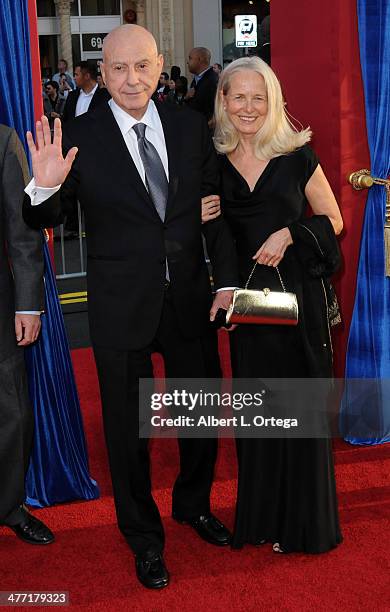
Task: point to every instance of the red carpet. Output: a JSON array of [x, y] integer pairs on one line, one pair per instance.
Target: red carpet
[[91, 560]]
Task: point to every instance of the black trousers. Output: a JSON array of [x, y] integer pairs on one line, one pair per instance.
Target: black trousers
[[16, 429], [119, 372]]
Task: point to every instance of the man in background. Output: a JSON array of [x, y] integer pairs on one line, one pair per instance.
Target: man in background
[[88, 94], [85, 98], [63, 69], [201, 95], [163, 87], [53, 102], [217, 69]]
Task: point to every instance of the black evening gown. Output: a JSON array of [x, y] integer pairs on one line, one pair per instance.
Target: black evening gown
[[286, 487]]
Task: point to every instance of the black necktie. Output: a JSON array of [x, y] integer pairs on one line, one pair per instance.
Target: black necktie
[[156, 179]]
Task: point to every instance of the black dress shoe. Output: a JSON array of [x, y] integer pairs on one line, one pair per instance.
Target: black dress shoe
[[32, 530], [151, 571], [209, 528]]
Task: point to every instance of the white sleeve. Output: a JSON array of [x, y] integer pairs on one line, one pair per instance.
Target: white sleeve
[[29, 312], [39, 194], [225, 289]]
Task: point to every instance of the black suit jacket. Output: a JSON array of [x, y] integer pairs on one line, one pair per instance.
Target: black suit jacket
[[21, 256], [204, 98], [127, 242], [100, 96]]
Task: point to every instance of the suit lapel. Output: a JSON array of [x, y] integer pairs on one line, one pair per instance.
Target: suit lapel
[[74, 102], [114, 146], [95, 100], [99, 97], [173, 151]]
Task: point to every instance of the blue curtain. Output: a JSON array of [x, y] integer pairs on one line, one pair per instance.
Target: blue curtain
[[16, 98], [59, 467], [366, 407], [59, 464]]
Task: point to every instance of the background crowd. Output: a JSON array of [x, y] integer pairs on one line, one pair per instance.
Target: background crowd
[[66, 96]]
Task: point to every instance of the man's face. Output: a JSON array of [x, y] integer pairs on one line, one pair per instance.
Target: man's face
[[193, 62], [162, 80], [50, 90], [131, 71], [61, 67], [79, 77]]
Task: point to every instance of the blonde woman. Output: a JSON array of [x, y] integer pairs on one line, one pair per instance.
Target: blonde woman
[[269, 175]]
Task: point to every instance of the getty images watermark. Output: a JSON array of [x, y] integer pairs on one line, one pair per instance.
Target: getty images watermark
[[200, 408], [261, 408], [195, 402]]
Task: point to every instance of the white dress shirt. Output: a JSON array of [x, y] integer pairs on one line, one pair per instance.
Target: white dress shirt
[[84, 100], [154, 133], [32, 312]]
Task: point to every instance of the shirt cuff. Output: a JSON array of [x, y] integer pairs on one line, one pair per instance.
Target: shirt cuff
[[225, 289], [38, 195], [31, 312]]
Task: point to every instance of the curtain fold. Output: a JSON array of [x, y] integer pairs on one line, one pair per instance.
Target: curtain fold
[[58, 470], [366, 408], [16, 100]]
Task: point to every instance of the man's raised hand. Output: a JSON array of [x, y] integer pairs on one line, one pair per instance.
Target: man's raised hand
[[49, 166]]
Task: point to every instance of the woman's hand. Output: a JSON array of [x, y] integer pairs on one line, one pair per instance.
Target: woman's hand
[[272, 251], [211, 208], [49, 166]]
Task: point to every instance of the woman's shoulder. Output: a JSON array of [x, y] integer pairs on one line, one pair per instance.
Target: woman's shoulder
[[303, 160], [304, 153]]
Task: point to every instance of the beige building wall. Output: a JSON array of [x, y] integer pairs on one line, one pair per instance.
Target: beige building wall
[[207, 27], [170, 21]]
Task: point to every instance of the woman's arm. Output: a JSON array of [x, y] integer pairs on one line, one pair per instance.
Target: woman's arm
[[321, 199]]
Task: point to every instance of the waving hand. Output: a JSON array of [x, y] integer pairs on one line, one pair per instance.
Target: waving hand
[[49, 166]]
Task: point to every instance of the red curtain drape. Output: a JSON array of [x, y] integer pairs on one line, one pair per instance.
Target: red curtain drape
[[36, 78], [35, 61], [315, 53]]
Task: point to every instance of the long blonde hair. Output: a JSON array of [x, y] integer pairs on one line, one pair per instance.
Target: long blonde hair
[[278, 135]]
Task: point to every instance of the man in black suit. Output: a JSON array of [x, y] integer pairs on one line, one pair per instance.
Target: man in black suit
[[21, 302], [163, 86], [201, 95], [148, 283], [88, 94]]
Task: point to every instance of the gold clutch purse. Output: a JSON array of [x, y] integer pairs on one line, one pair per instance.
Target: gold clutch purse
[[263, 307]]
